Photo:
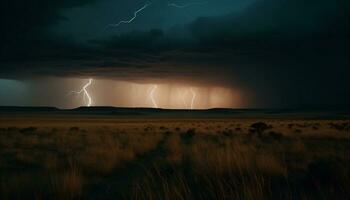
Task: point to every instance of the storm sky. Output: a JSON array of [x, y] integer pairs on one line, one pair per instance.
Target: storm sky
[[231, 53]]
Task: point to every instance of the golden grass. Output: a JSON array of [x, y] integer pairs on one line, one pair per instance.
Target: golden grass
[[196, 159], [67, 184], [175, 149]]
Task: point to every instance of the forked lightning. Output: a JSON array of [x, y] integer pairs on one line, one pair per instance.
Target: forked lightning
[[132, 19], [176, 5], [86, 96]]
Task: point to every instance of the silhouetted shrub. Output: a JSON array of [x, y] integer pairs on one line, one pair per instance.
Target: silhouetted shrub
[[259, 128], [290, 126], [191, 131], [28, 130], [168, 133], [74, 129], [148, 128], [12, 129], [340, 127], [189, 135]]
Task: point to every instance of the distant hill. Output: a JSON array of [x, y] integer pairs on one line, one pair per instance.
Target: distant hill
[[27, 109], [164, 113]]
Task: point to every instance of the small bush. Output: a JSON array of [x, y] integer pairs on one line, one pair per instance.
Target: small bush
[[12, 129], [189, 135], [74, 129], [259, 128], [28, 130], [340, 126]]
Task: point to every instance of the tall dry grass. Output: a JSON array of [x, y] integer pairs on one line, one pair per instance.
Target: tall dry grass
[[62, 163], [244, 167], [67, 184], [198, 160]]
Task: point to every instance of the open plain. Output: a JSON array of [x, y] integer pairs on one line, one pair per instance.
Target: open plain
[[173, 155]]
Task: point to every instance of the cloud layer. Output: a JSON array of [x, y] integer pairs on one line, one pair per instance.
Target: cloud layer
[[280, 52]]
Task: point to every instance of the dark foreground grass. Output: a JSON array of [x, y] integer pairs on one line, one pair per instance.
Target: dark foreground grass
[[278, 159]]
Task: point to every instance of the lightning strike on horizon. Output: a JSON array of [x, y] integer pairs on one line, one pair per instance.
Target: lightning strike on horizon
[[186, 5], [132, 19], [182, 96], [87, 98], [193, 98], [151, 95]]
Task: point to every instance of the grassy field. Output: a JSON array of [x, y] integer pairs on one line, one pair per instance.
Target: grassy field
[[97, 157]]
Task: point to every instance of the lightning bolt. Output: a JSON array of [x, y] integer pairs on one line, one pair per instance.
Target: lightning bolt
[[86, 96], [132, 19], [182, 96], [151, 96], [193, 98], [186, 5]]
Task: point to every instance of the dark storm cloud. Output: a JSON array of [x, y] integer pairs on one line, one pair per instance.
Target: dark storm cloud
[[25, 25], [286, 53]]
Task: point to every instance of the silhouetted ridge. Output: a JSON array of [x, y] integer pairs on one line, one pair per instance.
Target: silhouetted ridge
[[27, 109]]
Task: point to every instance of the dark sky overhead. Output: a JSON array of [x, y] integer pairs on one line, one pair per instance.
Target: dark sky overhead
[[267, 53]]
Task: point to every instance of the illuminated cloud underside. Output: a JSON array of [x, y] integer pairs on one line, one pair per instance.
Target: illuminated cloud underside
[[173, 96], [103, 92]]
